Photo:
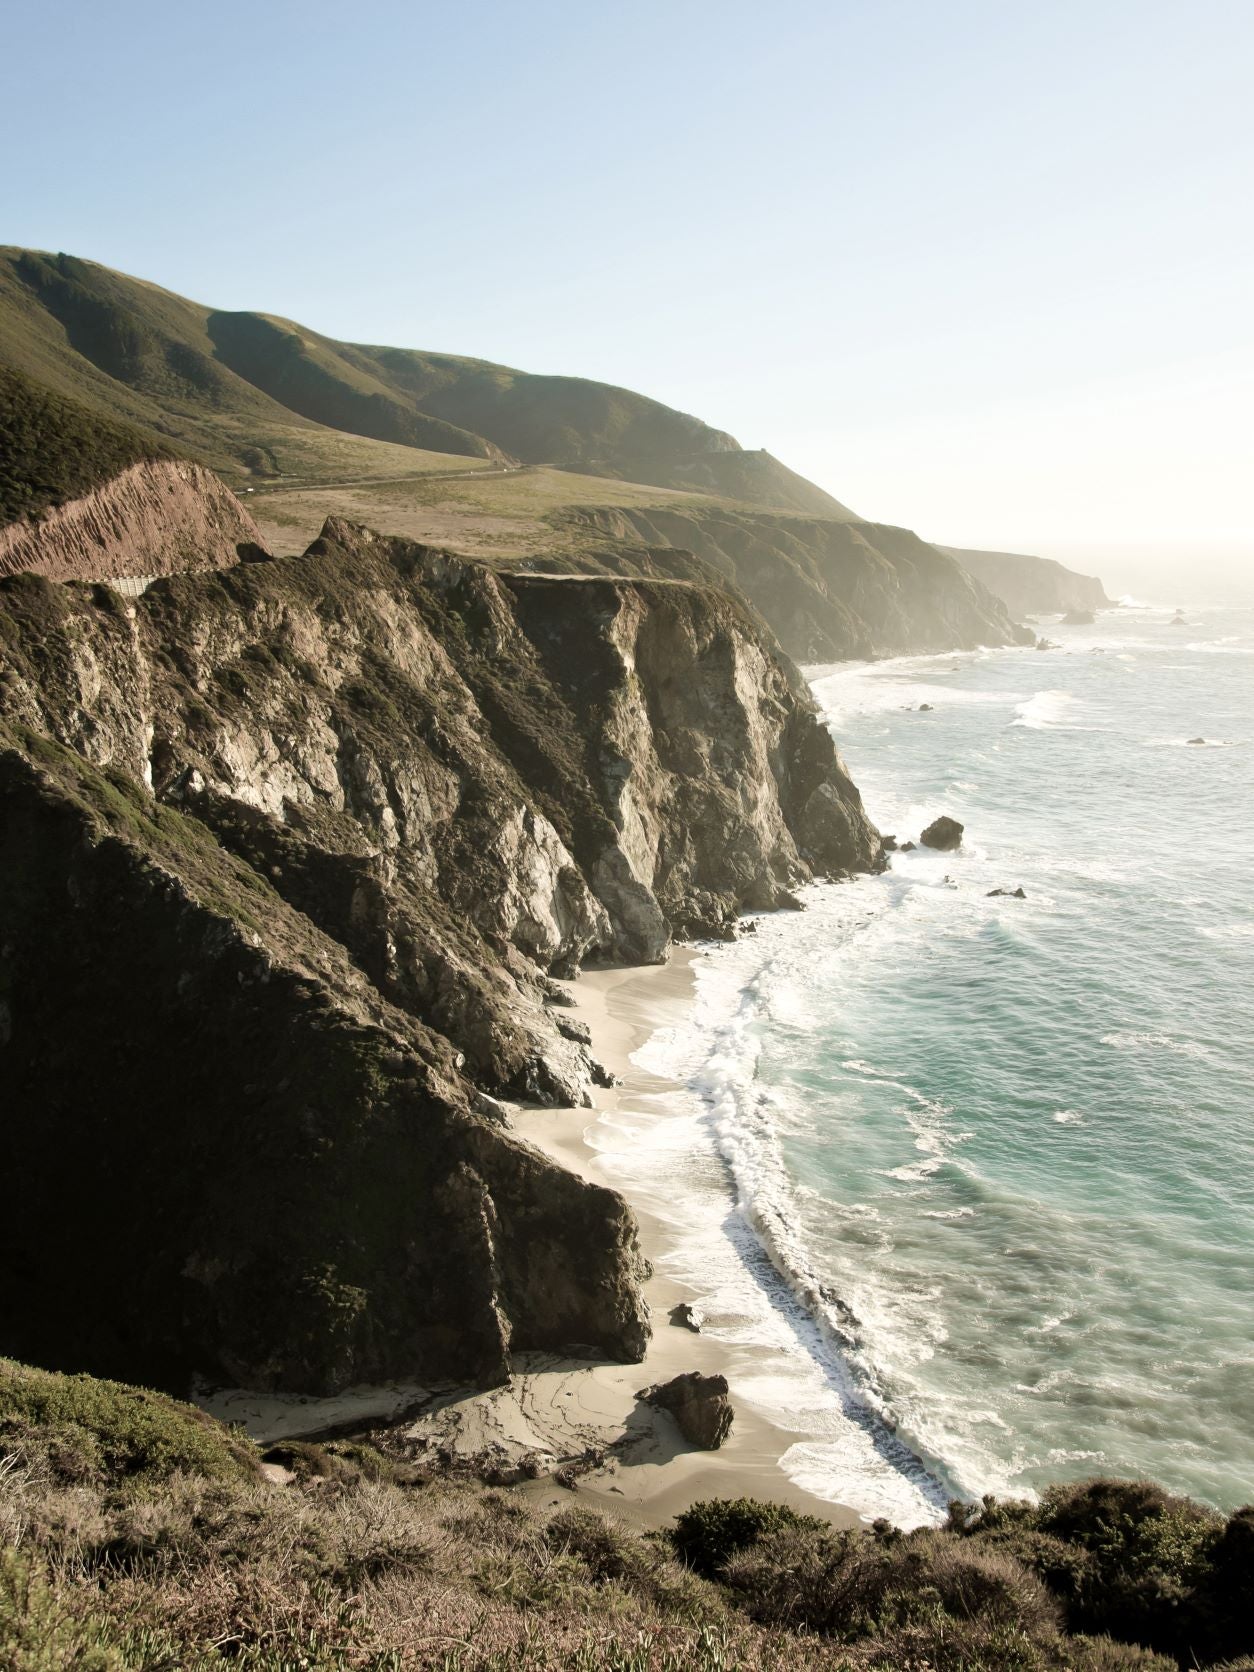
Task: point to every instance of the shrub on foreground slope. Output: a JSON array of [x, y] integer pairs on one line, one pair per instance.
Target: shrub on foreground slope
[[136, 1533]]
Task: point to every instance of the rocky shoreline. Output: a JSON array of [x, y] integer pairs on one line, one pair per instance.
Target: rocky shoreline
[[561, 1425]]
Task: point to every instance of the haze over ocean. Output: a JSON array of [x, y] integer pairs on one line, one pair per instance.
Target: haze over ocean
[[997, 1151]]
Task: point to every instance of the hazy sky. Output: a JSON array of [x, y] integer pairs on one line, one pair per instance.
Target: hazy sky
[[983, 269]]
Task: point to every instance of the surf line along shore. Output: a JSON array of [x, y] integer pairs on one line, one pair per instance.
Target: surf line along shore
[[567, 1406], [579, 1424]]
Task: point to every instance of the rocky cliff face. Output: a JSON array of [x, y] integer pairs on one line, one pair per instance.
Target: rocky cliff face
[[159, 517], [1033, 585], [829, 590], [291, 854], [235, 1157]]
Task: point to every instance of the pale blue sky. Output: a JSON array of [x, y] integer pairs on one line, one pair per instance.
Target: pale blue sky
[[983, 269]]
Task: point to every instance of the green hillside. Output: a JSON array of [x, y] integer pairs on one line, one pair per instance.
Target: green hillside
[[261, 398], [53, 448], [498, 463]]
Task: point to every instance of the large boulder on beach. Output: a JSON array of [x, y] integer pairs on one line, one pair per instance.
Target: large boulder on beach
[[688, 1316], [943, 833], [699, 1405]]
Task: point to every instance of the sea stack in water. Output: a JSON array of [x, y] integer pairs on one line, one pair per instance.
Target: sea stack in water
[[699, 1405], [943, 833], [1078, 618]]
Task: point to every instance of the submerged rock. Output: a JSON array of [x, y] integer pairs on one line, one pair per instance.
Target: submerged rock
[[943, 833], [699, 1405], [1197, 740], [1007, 893]]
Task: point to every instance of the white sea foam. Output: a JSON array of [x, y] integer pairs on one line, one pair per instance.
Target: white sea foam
[[752, 1264], [979, 1304], [1044, 710], [1154, 1042]]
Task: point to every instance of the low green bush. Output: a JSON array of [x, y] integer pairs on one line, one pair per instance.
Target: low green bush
[[707, 1535], [83, 1429]]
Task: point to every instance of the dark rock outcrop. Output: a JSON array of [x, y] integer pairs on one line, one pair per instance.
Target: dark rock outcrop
[[699, 1405], [1007, 893], [943, 833]]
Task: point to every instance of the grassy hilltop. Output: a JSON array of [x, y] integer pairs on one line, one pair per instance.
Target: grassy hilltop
[[53, 448], [259, 397], [492, 461]]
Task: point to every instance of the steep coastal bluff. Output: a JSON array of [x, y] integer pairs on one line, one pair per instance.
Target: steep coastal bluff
[[1033, 585], [830, 590], [292, 852]]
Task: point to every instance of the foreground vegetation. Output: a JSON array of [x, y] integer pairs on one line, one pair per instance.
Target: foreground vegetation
[[136, 1533]]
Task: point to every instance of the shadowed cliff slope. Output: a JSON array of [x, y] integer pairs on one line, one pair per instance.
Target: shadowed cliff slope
[[236, 1158]]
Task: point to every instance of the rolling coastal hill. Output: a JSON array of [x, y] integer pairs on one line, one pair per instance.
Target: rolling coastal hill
[[242, 389], [548, 472]]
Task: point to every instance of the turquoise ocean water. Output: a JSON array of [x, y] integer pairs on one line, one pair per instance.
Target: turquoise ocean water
[[977, 1174]]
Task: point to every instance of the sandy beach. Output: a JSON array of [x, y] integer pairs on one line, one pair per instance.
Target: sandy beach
[[651, 1474]]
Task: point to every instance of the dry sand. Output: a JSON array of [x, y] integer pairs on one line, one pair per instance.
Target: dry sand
[[558, 1411]]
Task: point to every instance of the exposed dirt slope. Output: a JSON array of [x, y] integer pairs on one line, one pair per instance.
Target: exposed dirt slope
[[159, 517]]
